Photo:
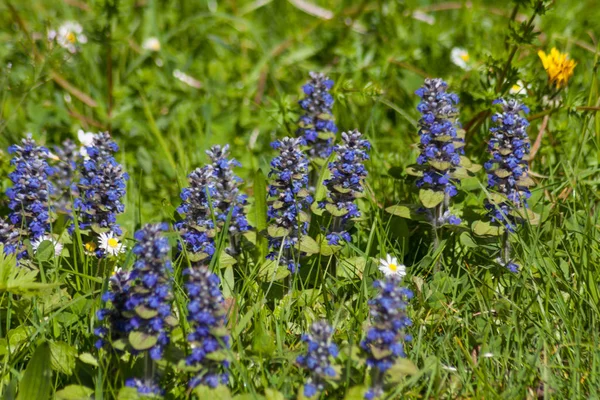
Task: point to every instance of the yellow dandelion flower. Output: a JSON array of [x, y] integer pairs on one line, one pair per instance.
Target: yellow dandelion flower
[[558, 67]]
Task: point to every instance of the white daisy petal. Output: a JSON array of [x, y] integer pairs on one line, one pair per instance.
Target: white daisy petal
[[58, 247], [152, 44], [461, 58], [391, 267]]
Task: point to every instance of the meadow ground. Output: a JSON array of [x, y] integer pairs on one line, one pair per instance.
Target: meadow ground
[[170, 79]]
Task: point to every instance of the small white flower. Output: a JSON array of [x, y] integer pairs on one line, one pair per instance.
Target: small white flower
[[188, 80], [111, 244], [487, 355], [152, 44], [390, 267], [69, 34], [460, 57], [518, 88], [58, 247], [87, 140]]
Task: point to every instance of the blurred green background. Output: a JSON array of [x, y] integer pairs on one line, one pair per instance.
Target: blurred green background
[[248, 60], [232, 71]]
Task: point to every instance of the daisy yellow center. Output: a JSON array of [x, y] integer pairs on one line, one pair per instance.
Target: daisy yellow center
[[393, 267], [90, 246], [112, 242], [516, 87], [465, 57], [71, 37]]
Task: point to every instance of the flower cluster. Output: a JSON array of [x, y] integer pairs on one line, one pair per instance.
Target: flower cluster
[[65, 166], [29, 195], [507, 169], [227, 198], [141, 299], [558, 67], [348, 172], [115, 324], [69, 34], [100, 188], [9, 237], [384, 342], [440, 144], [197, 228], [207, 318], [317, 125], [317, 357], [289, 193]]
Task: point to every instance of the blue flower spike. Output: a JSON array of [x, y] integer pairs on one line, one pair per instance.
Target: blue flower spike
[[318, 357], [441, 148], [317, 124], [348, 173], [507, 171], [290, 199], [384, 342]]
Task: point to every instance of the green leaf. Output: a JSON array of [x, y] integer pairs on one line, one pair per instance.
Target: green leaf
[[277, 231], [525, 181], [272, 394], [414, 170], [502, 173], [406, 211], [272, 271], [440, 165], [129, 393], [221, 392], [145, 312], [36, 382], [400, 369], [467, 240], [430, 198], [45, 251], [141, 340], [88, 359], [356, 393], [219, 355], [260, 210], [228, 282], [74, 392], [400, 211], [226, 260], [351, 268], [481, 228], [333, 210], [308, 245], [263, 342], [63, 357]]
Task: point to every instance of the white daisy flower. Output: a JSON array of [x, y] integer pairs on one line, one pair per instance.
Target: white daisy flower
[[87, 140], [58, 247], [111, 244], [69, 34], [152, 44], [460, 57], [518, 88], [390, 267]]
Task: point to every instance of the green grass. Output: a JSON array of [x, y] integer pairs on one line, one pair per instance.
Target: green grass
[[478, 331]]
